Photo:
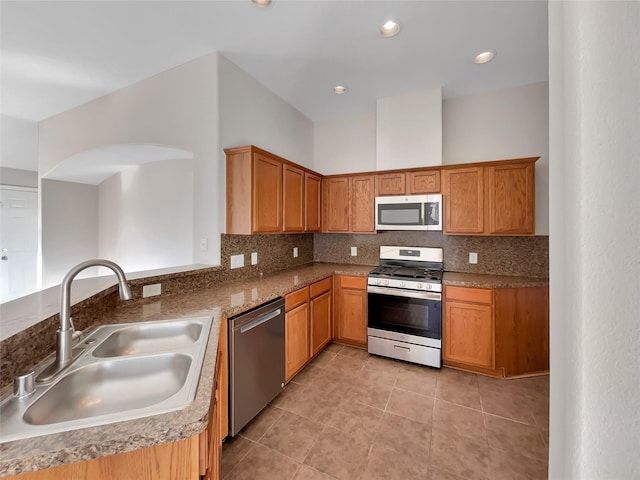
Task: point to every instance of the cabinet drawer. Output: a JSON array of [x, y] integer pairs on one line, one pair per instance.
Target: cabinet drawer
[[359, 283], [320, 287], [296, 298], [469, 294]]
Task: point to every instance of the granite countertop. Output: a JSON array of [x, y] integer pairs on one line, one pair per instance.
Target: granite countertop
[[491, 281], [219, 301]]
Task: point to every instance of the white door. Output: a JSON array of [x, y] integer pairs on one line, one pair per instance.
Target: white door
[[18, 242]]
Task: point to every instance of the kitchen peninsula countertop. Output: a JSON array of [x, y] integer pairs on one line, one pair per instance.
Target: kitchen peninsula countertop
[[491, 281], [219, 301]]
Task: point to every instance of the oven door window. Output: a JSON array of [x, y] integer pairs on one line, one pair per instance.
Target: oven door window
[[412, 316]]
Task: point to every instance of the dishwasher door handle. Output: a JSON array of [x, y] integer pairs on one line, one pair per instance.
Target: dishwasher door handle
[[260, 321]]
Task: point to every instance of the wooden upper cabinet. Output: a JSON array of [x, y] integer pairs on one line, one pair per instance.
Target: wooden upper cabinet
[[336, 204], [423, 181], [464, 200], [268, 194], [362, 204], [293, 198], [414, 182], [495, 198], [313, 215], [391, 184], [511, 208]]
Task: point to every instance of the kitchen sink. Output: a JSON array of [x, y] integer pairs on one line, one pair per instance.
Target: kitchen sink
[[124, 372], [156, 337]]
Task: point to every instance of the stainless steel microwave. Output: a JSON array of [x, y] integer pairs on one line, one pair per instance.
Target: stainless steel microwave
[[413, 212]]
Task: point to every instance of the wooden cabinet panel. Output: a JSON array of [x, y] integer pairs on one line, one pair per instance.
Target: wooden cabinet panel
[[296, 339], [426, 181], [312, 202], [293, 299], [336, 204], [293, 198], [511, 208], [350, 313], [320, 287], [362, 204], [467, 294], [464, 200], [469, 334], [267, 194], [320, 322], [391, 184]]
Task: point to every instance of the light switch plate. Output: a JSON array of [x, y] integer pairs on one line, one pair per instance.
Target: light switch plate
[[151, 290], [237, 261], [254, 258], [354, 251], [473, 257], [295, 252]]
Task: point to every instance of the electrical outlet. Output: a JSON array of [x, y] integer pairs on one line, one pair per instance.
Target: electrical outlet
[[354, 251], [237, 261], [204, 244], [151, 290], [254, 258], [295, 252], [473, 257]]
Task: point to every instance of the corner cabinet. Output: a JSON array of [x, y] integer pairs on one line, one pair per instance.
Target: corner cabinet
[[268, 194], [348, 204], [494, 198], [307, 324], [502, 332], [350, 312]]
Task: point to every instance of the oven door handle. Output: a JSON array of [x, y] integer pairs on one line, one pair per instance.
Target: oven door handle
[[404, 293]]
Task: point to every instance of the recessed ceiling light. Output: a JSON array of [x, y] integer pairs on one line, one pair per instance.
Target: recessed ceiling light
[[339, 89], [262, 3], [484, 57], [390, 29]]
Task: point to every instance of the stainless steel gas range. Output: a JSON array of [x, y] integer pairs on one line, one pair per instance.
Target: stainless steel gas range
[[405, 305]]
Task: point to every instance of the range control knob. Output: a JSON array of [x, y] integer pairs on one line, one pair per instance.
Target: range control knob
[[378, 281], [386, 282], [419, 286], [402, 284], [427, 286]]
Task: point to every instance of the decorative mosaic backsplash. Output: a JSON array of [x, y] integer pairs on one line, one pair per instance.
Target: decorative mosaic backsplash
[[518, 256]]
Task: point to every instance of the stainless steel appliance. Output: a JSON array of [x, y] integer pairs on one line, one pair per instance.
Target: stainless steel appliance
[[256, 361], [405, 305], [413, 212]]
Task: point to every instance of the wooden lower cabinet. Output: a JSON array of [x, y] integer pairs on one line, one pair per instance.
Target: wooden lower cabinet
[[307, 324], [501, 332], [350, 312], [296, 331]]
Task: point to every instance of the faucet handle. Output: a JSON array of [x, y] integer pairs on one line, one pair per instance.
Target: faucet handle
[[23, 385]]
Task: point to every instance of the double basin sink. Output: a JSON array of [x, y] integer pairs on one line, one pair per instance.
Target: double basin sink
[[123, 372]]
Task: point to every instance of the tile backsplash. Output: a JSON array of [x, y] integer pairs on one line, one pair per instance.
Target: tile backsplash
[[518, 256]]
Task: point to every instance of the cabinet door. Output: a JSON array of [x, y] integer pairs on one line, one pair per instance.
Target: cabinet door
[[350, 315], [469, 334], [293, 199], [464, 200], [296, 339], [336, 204], [427, 181], [391, 183], [362, 204], [267, 194], [511, 199], [312, 202], [320, 322]]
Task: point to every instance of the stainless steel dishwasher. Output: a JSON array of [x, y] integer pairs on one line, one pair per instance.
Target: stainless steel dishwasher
[[256, 361]]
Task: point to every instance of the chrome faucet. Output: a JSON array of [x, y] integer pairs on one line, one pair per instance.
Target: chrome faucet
[[64, 354]]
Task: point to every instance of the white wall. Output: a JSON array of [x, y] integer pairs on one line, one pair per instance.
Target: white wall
[[18, 178], [509, 123], [345, 145], [595, 240], [251, 114], [164, 237], [409, 130], [19, 145], [69, 228], [176, 108]]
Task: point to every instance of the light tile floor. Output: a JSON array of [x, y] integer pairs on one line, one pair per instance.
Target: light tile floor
[[354, 416]]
